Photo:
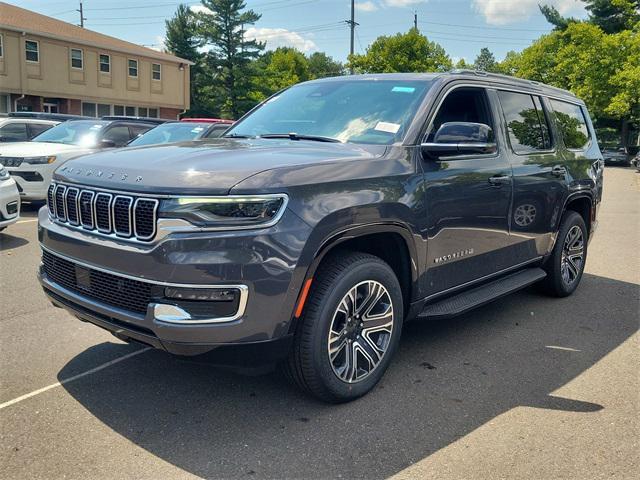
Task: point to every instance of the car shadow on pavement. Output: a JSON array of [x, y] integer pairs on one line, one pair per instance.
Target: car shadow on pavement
[[9, 242], [447, 379]]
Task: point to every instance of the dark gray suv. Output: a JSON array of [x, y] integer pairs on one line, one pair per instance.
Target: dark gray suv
[[327, 217]]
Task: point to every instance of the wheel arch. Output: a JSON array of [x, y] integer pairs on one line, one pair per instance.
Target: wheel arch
[[581, 203]]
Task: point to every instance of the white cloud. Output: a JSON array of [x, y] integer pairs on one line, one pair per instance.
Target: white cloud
[[499, 12], [366, 6], [200, 9], [280, 37], [159, 43], [401, 3]]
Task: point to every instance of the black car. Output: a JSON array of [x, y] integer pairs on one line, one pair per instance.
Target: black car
[[616, 156], [325, 219]]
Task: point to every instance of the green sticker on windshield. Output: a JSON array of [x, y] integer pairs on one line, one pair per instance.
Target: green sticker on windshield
[[403, 89]]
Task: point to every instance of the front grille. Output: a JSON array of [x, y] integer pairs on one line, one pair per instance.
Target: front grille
[[123, 215], [10, 161], [114, 290]]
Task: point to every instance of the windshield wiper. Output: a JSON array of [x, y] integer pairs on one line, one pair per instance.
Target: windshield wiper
[[237, 135], [296, 136]]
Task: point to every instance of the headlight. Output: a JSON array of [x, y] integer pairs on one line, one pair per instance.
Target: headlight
[[39, 160], [226, 212], [4, 174]]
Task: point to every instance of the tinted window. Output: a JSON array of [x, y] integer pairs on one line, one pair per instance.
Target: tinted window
[[13, 132], [118, 134], [359, 111], [77, 132], [528, 128], [170, 133], [571, 123], [38, 128], [462, 105]]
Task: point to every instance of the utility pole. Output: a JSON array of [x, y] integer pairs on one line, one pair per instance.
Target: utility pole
[[352, 23], [415, 19], [82, 17]]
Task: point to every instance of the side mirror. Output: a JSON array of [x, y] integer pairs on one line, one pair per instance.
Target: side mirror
[[104, 143], [460, 138]]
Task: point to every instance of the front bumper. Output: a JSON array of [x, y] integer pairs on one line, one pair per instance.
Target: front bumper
[[9, 203], [264, 261], [33, 180]]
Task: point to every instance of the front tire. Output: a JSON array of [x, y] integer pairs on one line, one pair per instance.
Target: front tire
[[349, 330], [566, 264]]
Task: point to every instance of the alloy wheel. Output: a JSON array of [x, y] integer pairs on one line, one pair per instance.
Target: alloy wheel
[[360, 331], [572, 255]]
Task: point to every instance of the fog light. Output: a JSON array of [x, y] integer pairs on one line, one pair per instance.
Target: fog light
[[201, 294]]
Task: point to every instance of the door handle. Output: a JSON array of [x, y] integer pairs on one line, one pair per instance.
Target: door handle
[[559, 171], [499, 180]]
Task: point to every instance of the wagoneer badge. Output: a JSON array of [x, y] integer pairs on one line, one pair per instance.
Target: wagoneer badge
[[453, 256]]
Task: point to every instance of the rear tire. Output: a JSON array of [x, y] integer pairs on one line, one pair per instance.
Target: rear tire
[[349, 330], [566, 264]]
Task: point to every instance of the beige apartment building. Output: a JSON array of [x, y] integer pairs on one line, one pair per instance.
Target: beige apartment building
[[47, 65]]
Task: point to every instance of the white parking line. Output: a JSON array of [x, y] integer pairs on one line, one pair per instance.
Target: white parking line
[[71, 379], [27, 221]]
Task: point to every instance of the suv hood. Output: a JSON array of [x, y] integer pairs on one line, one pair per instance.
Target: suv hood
[[201, 167], [34, 149]]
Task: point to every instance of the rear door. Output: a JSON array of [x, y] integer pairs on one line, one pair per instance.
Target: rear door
[[539, 174], [468, 200]]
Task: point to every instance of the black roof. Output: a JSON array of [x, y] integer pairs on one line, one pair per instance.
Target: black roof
[[156, 121], [59, 117]]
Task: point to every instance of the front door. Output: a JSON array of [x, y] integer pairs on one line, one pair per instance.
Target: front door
[[468, 200]]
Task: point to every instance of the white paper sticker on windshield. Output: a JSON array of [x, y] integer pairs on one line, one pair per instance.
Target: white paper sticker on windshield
[[387, 127], [197, 130], [95, 127]]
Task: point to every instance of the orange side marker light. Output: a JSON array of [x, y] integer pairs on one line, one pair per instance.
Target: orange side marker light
[[303, 297]]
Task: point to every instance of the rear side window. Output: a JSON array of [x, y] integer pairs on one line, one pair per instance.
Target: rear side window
[[526, 122], [572, 124], [13, 132]]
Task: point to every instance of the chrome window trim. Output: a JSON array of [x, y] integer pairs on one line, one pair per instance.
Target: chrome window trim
[[130, 215], [155, 224], [93, 222], [95, 211], [242, 304]]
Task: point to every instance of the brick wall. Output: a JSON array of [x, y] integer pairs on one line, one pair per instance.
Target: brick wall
[[169, 113], [29, 103]]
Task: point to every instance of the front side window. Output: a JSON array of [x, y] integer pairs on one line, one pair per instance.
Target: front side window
[[133, 68], [32, 51], [526, 122], [357, 111], [156, 71], [76, 58], [105, 63], [572, 124], [462, 105], [119, 135]]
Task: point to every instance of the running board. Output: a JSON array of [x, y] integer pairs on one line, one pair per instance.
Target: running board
[[467, 300]]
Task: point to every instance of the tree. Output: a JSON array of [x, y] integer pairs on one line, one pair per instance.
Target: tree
[[612, 16], [403, 52], [462, 64], [509, 66], [485, 61], [229, 54], [322, 65], [181, 40], [554, 18]]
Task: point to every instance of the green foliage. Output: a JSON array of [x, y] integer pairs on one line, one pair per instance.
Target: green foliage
[[403, 52], [322, 65], [554, 18], [613, 16], [229, 57], [486, 62], [462, 64]]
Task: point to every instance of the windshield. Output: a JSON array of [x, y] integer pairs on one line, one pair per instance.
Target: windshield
[[358, 111], [84, 133], [170, 133]]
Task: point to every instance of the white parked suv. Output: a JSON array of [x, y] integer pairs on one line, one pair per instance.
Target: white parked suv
[[15, 129], [9, 200], [32, 163]]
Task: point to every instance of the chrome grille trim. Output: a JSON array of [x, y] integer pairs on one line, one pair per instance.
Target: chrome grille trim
[[88, 218]]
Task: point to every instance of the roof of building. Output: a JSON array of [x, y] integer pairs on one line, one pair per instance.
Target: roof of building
[[22, 20]]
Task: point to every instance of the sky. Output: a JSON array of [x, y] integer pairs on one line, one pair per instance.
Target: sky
[[462, 27]]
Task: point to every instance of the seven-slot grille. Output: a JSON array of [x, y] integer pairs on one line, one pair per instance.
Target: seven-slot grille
[[120, 292], [122, 215]]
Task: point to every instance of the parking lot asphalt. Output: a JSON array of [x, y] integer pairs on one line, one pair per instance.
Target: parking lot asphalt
[[527, 387]]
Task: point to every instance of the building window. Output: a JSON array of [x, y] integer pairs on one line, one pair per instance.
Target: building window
[[105, 63], [153, 112], [118, 110], [156, 71], [31, 47], [76, 58], [133, 68], [88, 109], [104, 110], [143, 112], [130, 111], [1, 46]]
